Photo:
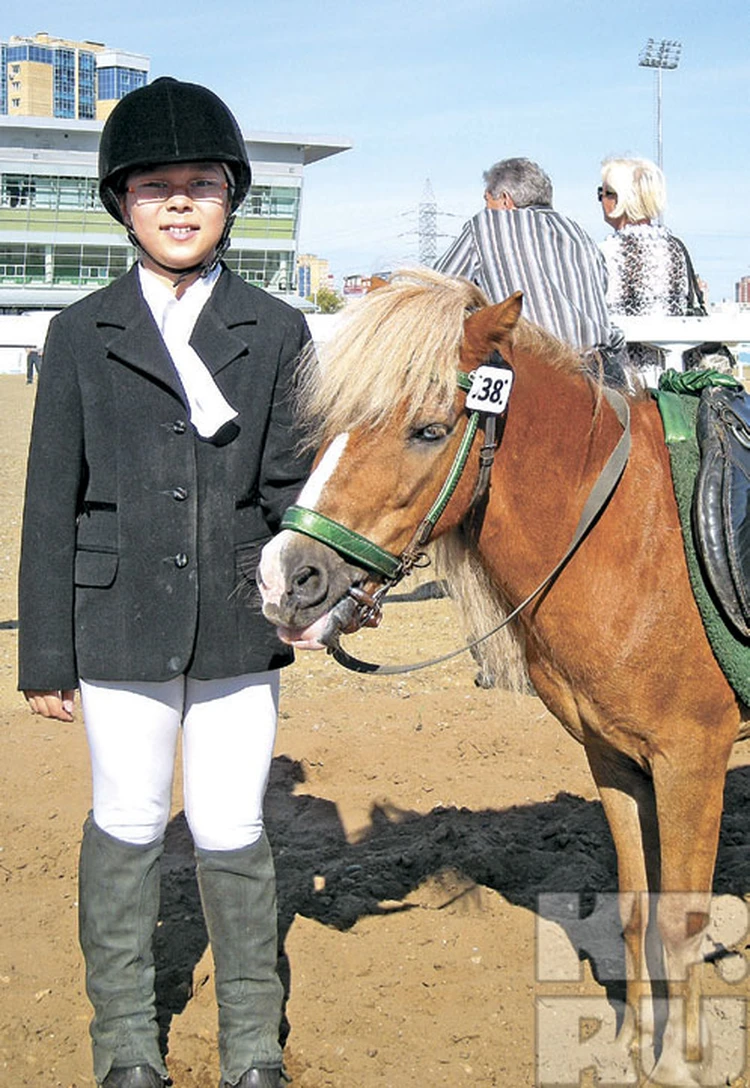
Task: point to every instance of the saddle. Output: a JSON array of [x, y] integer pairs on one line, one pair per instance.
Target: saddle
[[721, 505], [720, 512]]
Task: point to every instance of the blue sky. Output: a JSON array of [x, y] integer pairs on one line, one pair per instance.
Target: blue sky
[[441, 90]]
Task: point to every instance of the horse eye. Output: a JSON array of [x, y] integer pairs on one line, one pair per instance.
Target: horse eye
[[432, 432]]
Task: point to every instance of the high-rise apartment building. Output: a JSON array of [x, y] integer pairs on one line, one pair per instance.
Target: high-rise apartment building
[[742, 291], [57, 243], [312, 274], [45, 76]]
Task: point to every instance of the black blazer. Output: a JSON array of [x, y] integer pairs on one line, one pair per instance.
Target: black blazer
[[140, 540]]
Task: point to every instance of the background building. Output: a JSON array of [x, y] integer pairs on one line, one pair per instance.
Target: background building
[[742, 291], [54, 77], [57, 243], [355, 286], [312, 274]]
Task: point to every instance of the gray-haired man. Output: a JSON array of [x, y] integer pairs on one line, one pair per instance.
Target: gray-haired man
[[519, 243]]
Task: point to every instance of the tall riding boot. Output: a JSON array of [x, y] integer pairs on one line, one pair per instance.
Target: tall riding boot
[[238, 892], [118, 911]]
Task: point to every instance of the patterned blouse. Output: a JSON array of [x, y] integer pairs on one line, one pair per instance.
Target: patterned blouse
[[647, 271]]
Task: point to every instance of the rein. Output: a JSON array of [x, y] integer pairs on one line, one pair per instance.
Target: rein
[[393, 568]]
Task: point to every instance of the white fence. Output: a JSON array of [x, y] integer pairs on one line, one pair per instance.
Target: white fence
[[673, 335]]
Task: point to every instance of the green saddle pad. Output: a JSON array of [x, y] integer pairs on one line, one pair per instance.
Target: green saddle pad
[[679, 411]]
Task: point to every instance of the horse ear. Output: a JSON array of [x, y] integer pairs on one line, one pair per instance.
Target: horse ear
[[491, 325]]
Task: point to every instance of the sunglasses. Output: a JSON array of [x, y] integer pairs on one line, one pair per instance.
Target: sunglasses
[[601, 192]]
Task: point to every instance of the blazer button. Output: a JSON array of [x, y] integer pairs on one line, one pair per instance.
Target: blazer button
[[180, 494], [181, 560], [179, 426]]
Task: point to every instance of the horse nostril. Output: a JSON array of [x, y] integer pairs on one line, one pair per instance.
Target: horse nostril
[[308, 585]]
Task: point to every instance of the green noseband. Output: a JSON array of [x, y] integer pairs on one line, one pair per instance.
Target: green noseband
[[345, 541]]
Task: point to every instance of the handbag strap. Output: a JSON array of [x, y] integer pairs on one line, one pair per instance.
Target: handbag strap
[[696, 301]]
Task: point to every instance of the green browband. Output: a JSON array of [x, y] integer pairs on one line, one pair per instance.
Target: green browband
[[346, 542]]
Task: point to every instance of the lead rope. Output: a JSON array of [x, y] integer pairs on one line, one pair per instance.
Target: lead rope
[[603, 488]]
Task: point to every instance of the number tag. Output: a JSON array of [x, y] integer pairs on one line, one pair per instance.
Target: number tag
[[490, 389]]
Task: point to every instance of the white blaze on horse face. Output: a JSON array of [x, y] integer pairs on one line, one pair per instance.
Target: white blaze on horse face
[[324, 470], [272, 582]]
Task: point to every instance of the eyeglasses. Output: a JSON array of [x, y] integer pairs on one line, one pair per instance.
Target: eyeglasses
[[601, 192], [197, 189]]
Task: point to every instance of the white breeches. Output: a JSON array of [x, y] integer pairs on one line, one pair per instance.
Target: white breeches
[[228, 734]]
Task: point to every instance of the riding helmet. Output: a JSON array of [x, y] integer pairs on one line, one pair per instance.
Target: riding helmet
[[167, 122]]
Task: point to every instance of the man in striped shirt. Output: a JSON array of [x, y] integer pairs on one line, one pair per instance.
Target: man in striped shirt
[[518, 243]]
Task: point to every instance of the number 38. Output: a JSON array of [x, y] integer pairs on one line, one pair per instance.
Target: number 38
[[492, 390]]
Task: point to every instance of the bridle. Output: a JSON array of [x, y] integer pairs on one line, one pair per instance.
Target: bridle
[[388, 566], [391, 568]]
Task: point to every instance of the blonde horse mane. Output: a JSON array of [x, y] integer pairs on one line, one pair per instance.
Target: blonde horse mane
[[399, 348]]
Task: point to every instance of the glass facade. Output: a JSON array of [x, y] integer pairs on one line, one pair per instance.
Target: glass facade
[[117, 82], [93, 266], [38, 192], [39, 53], [86, 86], [21, 263], [62, 266], [76, 82], [3, 77], [271, 269], [67, 209], [271, 202], [64, 83]]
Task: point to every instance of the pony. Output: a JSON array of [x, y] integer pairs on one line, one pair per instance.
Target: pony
[[613, 642]]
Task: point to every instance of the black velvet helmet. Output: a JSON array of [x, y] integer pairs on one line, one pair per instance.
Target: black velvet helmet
[[167, 122]]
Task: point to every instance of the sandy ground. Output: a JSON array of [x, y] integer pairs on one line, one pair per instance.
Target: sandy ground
[[434, 843]]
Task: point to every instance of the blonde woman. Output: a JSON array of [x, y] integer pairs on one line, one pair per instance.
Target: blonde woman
[[647, 265]]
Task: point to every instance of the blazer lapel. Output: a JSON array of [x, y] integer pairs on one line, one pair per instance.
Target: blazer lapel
[[226, 325], [223, 332], [130, 333]]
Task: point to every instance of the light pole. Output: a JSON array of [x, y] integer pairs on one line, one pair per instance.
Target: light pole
[[659, 55]]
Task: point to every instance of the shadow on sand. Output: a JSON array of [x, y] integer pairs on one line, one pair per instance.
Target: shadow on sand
[[524, 852]]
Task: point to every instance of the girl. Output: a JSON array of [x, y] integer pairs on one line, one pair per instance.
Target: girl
[[163, 454]]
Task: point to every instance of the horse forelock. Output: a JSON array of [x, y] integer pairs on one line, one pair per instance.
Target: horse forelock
[[397, 349]]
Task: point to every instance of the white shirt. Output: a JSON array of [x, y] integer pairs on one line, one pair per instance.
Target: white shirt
[[175, 319]]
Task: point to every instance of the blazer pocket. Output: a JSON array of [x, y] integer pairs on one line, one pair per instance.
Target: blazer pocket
[[96, 568]]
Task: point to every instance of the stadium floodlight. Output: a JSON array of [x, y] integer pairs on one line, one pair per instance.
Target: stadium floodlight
[[660, 55]]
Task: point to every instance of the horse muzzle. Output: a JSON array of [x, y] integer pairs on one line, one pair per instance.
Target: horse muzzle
[[311, 594]]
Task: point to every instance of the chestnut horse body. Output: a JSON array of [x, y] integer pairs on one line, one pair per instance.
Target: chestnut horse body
[[614, 646]]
